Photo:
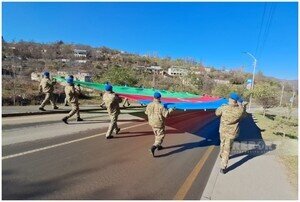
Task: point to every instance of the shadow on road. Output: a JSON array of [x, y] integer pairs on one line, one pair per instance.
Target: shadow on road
[[121, 134], [249, 143], [12, 188], [208, 135]]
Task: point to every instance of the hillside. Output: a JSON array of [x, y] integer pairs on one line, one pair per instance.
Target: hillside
[[119, 67]]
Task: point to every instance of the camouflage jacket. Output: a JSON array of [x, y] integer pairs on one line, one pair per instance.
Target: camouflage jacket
[[112, 101], [72, 93], [46, 85], [157, 114], [230, 117]]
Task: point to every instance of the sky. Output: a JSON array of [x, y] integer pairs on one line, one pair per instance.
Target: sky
[[215, 34]]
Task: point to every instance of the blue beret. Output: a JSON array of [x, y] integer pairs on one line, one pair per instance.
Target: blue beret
[[157, 95], [70, 80], [234, 96], [46, 74], [108, 87], [240, 100]]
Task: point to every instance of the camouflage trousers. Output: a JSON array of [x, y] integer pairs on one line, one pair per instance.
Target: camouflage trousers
[[66, 101], [126, 102], [225, 148], [159, 135], [75, 110], [48, 97], [102, 104], [113, 124]]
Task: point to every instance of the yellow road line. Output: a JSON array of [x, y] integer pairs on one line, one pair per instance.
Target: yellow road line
[[185, 187]]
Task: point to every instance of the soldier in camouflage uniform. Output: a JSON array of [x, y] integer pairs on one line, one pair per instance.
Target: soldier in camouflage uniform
[[156, 117], [47, 87], [231, 115], [66, 99], [112, 101], [72, 95], [102, 105]]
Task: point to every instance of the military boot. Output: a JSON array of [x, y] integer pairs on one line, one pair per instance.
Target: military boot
[[159, 147], [79, 119], [65, 120], [42, 109], [152, 150], [223, 170]]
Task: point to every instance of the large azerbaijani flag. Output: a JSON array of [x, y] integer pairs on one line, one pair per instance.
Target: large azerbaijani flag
[[178, 100]]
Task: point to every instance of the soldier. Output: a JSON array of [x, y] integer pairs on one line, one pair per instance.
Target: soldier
[[72, 97], [156, 117], [230, 115], [66, 99], [47, 87], [112, 101], [102, 105]]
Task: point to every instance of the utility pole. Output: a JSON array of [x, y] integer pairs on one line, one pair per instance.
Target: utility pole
[[281, 95], [253, 76], [292, 99], [153, 80], [14, 85]]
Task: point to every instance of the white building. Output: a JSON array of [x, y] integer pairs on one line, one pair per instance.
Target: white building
[[177, 71], [197, 70], [65, 60], [36, 76], [207, 69], [220, 81], [83, 76], [62, 73], [154, 69], [81, 61], [80, 53]]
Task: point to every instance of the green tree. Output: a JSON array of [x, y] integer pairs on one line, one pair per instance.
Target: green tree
[[221, 90], [266, 95], [196, 81], [119, 76]]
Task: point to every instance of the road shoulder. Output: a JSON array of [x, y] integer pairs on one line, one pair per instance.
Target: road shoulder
[[255, 171], [262, 177]]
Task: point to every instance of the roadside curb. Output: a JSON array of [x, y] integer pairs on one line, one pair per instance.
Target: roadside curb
[[61, 111]]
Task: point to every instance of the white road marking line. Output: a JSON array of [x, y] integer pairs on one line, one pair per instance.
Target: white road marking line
[[72, 141], [7, 119], [61, 144]]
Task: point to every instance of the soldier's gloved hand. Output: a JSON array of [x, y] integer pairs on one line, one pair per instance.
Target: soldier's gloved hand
[[171, 109]]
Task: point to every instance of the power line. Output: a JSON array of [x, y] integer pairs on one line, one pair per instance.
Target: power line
[[260, 29], [267, 29]]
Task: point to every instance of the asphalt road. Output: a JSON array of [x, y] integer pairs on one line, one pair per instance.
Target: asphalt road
[[42, 158]]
